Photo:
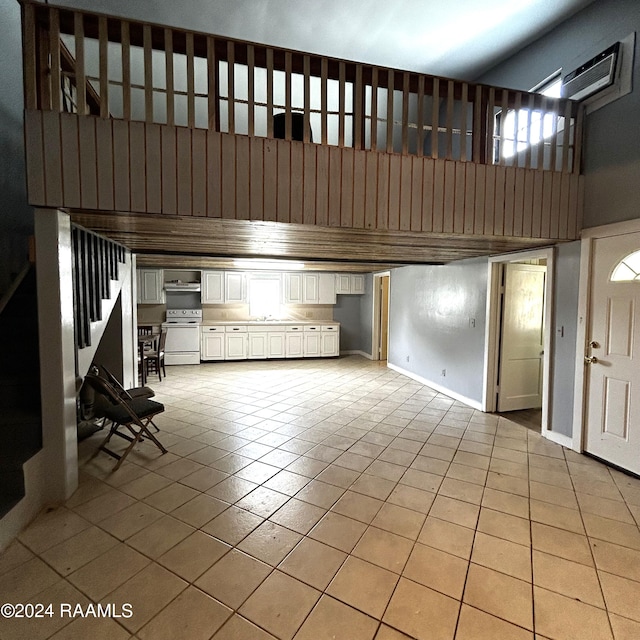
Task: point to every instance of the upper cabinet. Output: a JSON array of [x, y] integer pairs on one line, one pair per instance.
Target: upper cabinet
[[349, 283], [235, 287], [292, 288], [150, 283], [213, 287], [326, 288], [309, 288]]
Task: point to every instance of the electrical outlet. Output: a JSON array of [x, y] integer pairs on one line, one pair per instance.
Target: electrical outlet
[[472, 323], [407, 358], [444, 373]]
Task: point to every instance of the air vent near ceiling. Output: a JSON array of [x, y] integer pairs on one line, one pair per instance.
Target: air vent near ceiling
[[592, 76]]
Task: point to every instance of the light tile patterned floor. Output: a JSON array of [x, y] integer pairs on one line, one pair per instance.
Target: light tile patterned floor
[[334, 499]]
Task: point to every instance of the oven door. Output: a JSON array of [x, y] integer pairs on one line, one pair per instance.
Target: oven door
[[183, 344]]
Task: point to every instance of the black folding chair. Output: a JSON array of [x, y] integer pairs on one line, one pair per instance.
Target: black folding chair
[[133, 414]]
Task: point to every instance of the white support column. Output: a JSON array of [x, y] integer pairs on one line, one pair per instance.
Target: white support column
[[57, 351]]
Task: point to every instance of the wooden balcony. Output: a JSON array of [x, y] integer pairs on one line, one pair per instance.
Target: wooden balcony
[[180, 142]]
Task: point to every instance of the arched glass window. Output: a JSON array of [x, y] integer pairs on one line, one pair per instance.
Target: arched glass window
[[627, 269]]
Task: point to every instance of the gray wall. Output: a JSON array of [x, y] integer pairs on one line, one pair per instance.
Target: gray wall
[[353, 312], [567, 276], [16, 217], [612, 134], [430, 310]]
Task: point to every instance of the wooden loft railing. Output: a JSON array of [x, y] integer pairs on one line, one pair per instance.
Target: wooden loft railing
[[119, 69]]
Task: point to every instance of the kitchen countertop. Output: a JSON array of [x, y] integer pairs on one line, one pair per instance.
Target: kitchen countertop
[[267, 322]]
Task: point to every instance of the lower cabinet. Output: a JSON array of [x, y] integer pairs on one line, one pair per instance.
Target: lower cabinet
[[264, 341]]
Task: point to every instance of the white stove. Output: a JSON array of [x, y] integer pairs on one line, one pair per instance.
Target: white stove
[[183, 336]]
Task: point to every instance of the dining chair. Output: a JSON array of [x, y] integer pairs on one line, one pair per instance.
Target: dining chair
[[154, 358]]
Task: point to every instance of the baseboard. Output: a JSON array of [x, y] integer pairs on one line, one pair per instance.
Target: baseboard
[[475, 404], [558, 438], [357, 353]]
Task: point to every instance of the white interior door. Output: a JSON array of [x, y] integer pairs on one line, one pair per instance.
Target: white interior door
[[522, 337], [613, 355]]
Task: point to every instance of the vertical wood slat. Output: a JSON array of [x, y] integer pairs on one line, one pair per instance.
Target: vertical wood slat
[[371, 190], [296, 186], [489, 123], [52, 158], [212, 84], [54, 52], [543, 143], [199, 169], [168, 170], [346, 203], [530, 141], [322, 185], [242, 177], [184, 155], [420, 136], [435, 117], [358, 108], [577, 141], [153, 182], [168, 63], [306, 121], [518, 202], [269, 93], [137, 160], [499, 200], [121, 187], [489, 197], [148, 73], [287, 96], [405, 113], [283, 186], [449, 196], [390, 91], [69, 147], [404, 216], [517, 113], [501, 160], [416, 194], [382, 205], [256, 179], [374, 109], [341, 102], [479, 199], [335, 175], [42, 68], [438, 196], [566, 136], [81, 86], [359, 186], [464, 103], [324, 72], [428, 166], [103, 47], [191, 98], [449, 123], [214, 175], [509, 204], [34, 148], [29, 57], [459, 194], [126, 69], [251, 68], [228, 173], [270, 179], [477, 132], [231, 108], [104, 166], [553, 139], [309, 193]]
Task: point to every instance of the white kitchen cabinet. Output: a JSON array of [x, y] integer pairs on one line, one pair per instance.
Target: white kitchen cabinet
[[235, 287], [213, 287], [326, 288], [350, 283], [357, 283], [150, 283], [212, 343], [343, 283], [292, 288], [235, 342], [330, 340], [310, 288], [311, 341], [276, 344], [258, 346], [294, 342]]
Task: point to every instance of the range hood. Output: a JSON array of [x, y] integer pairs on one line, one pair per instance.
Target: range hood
[[178, 285]]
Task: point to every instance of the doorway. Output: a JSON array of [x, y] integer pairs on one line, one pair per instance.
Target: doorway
[[518, 344], [607, 367], [380, 324]]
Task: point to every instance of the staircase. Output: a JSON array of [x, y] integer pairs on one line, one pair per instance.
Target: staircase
[[20, 407]]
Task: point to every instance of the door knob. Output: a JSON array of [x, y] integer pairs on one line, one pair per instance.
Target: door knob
[[594, 345], [590, 360]]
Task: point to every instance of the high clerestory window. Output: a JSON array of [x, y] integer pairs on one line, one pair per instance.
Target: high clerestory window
[[521, 128]]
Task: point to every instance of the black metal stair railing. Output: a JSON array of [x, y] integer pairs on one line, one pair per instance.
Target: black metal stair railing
[[96, 262]]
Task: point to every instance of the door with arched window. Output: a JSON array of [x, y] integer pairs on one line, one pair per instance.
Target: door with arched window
[[613, 352]]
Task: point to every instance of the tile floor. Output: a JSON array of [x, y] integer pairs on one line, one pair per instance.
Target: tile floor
[[333, 499]]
